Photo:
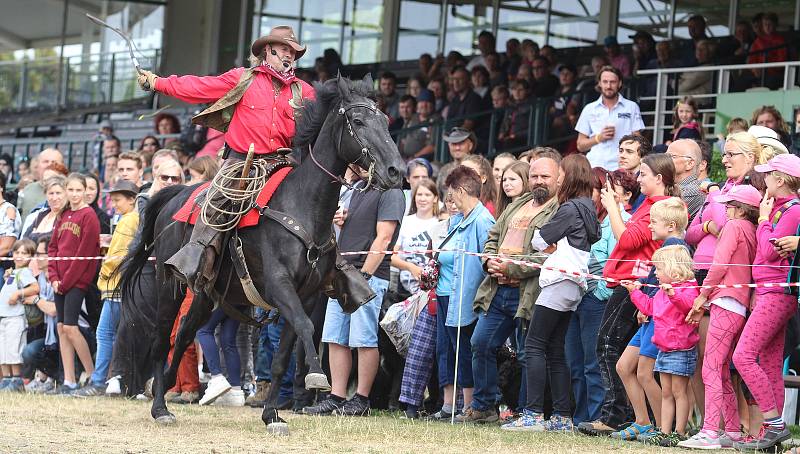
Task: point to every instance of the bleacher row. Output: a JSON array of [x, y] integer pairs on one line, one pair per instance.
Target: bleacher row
[[76, 138]]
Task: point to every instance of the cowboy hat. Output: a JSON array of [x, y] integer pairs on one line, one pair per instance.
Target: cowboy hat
[[282, 34]]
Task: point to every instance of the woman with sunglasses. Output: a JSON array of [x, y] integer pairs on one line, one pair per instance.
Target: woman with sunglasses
[[742, 152]]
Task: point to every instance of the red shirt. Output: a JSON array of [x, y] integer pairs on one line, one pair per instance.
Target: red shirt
[[75, 234], [768, 42], [260, 118], [635, 246]]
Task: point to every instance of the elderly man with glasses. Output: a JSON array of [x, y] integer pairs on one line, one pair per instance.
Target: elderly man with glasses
[[686, 155]]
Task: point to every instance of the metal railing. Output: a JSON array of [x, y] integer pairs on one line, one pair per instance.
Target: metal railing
[[78, 153], [721, 83], [54, 83], [537, 129]]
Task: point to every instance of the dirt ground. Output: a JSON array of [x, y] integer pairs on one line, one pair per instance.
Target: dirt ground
[[35, 423]]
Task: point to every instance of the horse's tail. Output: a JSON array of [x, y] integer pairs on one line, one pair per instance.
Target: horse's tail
[[140, 253]]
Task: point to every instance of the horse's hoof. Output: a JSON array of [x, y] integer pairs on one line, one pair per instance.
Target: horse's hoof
[[166, 420], [278, 428], [317, 381]]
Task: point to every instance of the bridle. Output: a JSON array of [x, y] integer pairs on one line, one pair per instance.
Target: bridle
[[366, 157]]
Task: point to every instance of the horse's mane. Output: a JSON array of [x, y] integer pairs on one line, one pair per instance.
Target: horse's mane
[[328, 96]]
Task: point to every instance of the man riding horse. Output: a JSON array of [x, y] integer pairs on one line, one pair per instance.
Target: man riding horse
[[253, 107]]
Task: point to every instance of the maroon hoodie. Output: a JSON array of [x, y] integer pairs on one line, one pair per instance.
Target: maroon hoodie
[[75, 234]]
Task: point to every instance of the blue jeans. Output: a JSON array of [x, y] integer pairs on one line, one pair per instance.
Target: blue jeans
[[581, 352], [446, 338], [268, 343], [493, 328], [205, 335], [106, 332]]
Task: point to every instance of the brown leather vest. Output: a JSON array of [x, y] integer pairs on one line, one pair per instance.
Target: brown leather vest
[[218, 116]]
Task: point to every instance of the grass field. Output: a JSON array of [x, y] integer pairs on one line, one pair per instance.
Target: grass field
[[35, 423]]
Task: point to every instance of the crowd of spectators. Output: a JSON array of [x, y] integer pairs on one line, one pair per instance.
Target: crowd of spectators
[[465, 89], [650, 220]]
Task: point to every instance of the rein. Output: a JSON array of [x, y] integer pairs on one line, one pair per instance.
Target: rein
[[366, 153]]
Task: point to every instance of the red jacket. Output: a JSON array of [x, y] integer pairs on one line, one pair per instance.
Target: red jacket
[[630, 257], [259, 118], [75, 234]]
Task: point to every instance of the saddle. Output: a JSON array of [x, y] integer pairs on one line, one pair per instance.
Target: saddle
[[345, 283]]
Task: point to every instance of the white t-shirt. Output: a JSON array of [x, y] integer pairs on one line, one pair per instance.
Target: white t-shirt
[[16, 280], [626, 118], [414, 236]]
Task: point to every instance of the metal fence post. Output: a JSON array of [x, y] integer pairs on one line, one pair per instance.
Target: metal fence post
[[22, 99], [111, 78], [660, 89]]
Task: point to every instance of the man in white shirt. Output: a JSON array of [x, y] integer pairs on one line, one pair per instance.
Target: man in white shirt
[[604, 122]]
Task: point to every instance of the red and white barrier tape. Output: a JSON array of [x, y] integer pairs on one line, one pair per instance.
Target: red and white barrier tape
[[502, 259]]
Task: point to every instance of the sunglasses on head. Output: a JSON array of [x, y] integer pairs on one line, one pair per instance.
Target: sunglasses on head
[[173, 178]]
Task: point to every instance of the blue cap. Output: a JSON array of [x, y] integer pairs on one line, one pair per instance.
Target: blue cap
[[425, 95]]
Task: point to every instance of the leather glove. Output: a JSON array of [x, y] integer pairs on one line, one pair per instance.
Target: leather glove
[[149, 78]]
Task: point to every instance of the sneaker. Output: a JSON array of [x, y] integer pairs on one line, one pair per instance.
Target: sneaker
[[217, 386], [646, 435], [767, 438], [559, 423], [61, 390], [4, 383], [325, 407], [90, 390], [440, 415], [507, 415], [529, 422], [655, 439], [113, 387], [727, 439], [357, 406], [671, 440], [14, 385], [259, 398], [410, 413], [472, 415], [233, 398], [37, 386], [595, 428], [187, 397], [705, 439], [170, 396]]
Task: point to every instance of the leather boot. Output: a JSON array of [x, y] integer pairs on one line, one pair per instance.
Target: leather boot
[[193, 264], [349, 286], [259, 398]]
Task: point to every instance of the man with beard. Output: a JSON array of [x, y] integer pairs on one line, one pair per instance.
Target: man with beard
[[604, 122], [254, 107], [506, 296]]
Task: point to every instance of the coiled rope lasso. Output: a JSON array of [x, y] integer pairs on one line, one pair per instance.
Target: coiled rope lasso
[[225, 203]]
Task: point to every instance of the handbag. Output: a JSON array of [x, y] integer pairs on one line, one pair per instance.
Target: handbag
[[429, 276]]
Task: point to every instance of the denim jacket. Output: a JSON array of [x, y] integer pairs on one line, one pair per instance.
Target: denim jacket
[[472, 234]]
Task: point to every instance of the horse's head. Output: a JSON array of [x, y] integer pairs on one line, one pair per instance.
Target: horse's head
[[364, 137]]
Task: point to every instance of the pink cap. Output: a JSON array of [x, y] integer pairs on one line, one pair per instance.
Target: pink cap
[[742, 193], [786, 163]]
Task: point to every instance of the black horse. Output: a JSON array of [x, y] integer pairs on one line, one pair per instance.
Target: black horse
[[345, 126]]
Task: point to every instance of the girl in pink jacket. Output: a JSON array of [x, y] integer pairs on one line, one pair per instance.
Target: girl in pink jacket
[[733, 255], [759, 355], [675, 338]]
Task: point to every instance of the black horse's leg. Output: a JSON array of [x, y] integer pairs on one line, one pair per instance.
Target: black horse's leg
[[198, 314], [280, 362], [168, 306], [291, 308]]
